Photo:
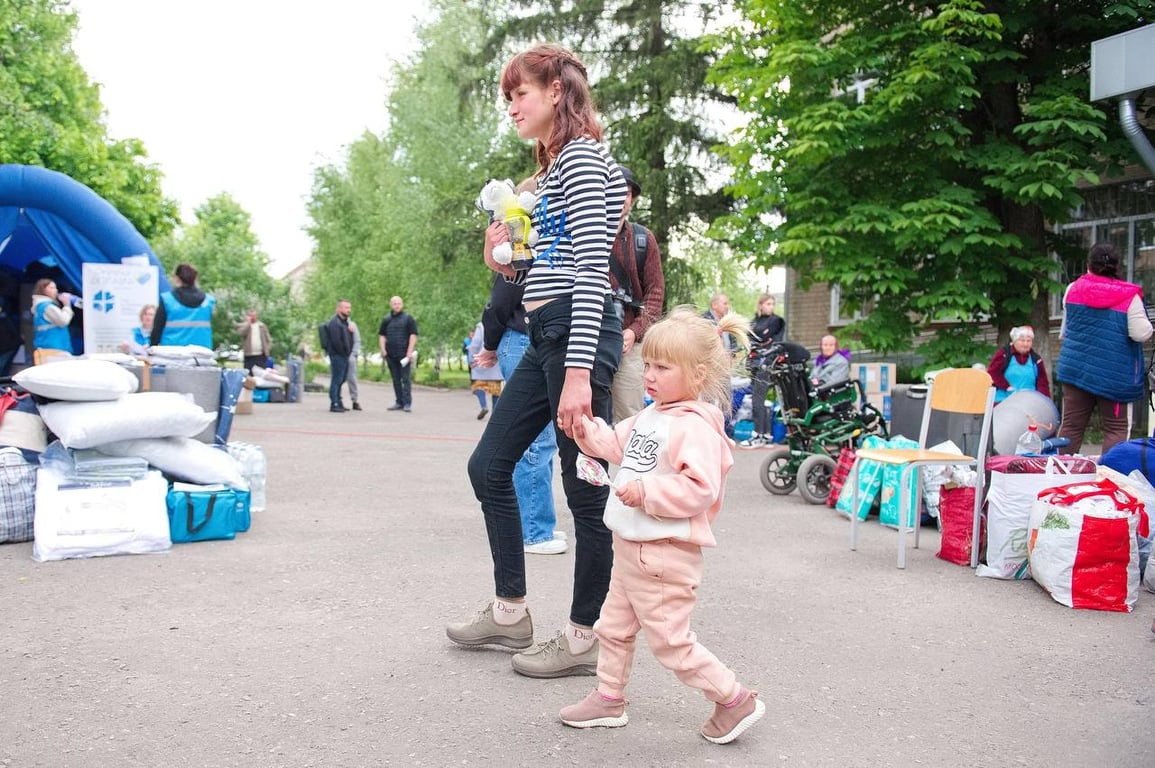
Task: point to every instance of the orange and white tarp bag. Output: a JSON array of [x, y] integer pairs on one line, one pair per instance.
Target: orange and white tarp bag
[[1081, 545]]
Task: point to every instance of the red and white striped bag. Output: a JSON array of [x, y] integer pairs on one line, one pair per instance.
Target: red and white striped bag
[[1081, 545]]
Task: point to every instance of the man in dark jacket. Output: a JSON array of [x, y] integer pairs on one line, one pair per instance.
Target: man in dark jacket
[[397, 338], [337, 341]]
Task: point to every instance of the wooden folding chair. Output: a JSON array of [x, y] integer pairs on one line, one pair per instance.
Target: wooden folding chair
[[958, 407]]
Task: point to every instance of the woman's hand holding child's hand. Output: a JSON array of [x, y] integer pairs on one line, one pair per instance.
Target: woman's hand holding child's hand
[[595, 437]]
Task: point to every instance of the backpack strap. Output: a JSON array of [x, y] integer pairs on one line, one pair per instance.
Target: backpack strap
[[641, 245]]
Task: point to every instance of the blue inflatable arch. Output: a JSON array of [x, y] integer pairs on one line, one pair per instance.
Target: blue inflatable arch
[[49, 217]]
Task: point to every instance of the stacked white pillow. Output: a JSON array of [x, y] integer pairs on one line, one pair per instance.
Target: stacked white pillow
[[81, 380]]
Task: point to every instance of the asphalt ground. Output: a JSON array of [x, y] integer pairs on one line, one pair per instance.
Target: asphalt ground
[[317, 638]]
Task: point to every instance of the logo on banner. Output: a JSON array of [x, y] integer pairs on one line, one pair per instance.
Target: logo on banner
[[103, 301]]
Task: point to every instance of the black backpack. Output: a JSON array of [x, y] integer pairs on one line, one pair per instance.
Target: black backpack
[[641, 245]]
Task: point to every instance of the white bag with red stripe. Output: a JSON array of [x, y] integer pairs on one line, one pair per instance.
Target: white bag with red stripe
[[1081, 545]]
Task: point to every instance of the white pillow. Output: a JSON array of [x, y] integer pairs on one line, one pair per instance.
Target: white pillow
[[182, 458], [143, 414], [77, 380]]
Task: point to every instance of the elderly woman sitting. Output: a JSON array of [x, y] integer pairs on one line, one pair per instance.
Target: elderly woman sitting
[[1016, 366]]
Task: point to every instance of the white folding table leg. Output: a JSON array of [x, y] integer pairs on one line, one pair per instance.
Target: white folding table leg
[[903, 511]]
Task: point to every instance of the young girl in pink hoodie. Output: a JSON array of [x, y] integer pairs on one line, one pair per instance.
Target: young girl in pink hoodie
[[674, 456]]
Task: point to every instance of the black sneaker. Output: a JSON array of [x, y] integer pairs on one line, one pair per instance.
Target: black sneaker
[[336, 409], [356, 406]]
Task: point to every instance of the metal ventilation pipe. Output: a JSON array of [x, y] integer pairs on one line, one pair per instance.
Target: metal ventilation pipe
[[1135, 132]]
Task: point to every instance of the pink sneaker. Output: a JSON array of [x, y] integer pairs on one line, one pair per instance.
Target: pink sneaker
[[596, 710], [728, 723]]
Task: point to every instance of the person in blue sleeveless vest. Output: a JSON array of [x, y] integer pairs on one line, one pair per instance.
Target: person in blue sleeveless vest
[[185, 314], [51, 315], [1101, 362], [1017, 366]]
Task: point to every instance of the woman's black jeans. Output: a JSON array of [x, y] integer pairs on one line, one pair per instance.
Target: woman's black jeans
[[528, 403]]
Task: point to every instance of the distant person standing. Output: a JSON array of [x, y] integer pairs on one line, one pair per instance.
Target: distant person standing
[[51, 315], [766, 330], [639, 290], [256, 345], [506, 339], [484, 373], [397, 337], [719, 308], [185, 313], [1101, 363], [337, 341], [354, 357]]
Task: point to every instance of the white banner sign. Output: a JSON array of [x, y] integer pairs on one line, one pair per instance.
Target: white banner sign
[[113, 297]]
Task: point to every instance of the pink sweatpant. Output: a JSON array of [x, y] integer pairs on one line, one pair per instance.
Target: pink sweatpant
[[654, 588]]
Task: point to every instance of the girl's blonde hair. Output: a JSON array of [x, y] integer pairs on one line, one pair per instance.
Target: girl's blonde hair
[[687, 339], [762, 299]]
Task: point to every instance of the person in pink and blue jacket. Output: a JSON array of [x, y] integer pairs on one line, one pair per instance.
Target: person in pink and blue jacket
[[1101, 363]]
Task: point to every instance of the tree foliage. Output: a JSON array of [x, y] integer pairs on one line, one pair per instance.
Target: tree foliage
[[221, 245], [928, 198], [398, 217], [51, 116]]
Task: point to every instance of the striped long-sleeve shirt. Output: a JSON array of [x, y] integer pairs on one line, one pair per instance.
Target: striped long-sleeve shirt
[[579, 204]]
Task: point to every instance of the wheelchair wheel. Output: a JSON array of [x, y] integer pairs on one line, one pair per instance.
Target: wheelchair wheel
[[776, 475], [814, 478]]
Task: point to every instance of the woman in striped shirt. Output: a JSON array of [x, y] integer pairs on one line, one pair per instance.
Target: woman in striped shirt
[[575, 347]]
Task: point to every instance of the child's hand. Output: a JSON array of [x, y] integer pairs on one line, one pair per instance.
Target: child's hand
[[632, 494], [594, 436]]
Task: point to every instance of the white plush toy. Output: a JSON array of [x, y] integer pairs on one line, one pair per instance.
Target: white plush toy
[[500, 200]]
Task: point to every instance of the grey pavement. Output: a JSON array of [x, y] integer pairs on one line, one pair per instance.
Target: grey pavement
[[317, 638]]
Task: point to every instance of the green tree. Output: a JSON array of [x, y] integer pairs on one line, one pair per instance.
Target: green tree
[[51, 116], [648, 68], [915, 153], [221, 245], [397, 218]]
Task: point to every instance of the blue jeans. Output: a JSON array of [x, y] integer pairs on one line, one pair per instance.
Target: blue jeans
[[533, 474], [527, 406], [338, 368]]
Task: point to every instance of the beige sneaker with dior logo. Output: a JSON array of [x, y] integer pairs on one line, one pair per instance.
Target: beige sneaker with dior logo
[[553, 658], [481, 629]]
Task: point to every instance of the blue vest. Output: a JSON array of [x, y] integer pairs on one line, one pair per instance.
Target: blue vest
[[1098, 355], [187, 325], [47, 335]]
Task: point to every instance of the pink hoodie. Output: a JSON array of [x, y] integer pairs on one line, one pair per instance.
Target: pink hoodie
[[681, 454]]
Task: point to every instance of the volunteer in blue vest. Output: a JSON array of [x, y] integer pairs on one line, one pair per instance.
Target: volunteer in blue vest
[[1016, 366], [51, 314], [185, 313], [1101, 363]]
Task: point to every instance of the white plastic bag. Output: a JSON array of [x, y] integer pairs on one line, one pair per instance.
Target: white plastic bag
[[1082, 545], [111, 518], [1010, 498]]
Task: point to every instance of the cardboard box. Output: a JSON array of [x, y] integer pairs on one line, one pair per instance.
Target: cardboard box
[[882, 403], [876, 378]]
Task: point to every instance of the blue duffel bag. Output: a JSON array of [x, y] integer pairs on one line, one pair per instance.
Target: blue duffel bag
[[203, 513]]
